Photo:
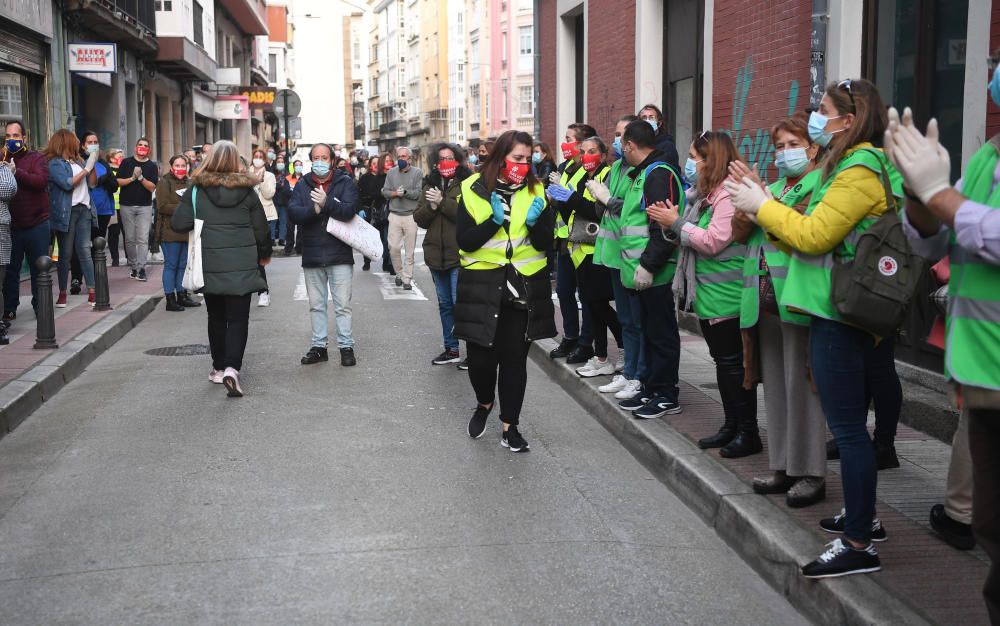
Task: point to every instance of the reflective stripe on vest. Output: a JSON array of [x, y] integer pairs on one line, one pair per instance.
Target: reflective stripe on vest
[[719, 278], [569, 181], [509, 245], [579, 251], [607, 252], [635, 222]]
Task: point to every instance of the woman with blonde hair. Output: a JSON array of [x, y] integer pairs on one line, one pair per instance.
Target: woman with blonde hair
[[235, 241]]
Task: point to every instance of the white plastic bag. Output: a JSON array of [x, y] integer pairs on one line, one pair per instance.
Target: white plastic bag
[[358, 234], [194, 278]]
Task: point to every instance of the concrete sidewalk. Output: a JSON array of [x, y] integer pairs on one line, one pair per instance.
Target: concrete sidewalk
[[922, 578], [29, 377]]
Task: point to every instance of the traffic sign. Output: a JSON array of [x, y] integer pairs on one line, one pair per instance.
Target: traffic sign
[[287, 103]]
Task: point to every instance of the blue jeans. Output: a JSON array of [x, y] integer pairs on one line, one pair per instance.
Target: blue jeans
[[446, 285], [566, 290], [77, 239], [841, 357], [31, 243], [272, 228], [175, 261], [662, 341], [282, 221], [320, 281], [629, 313]]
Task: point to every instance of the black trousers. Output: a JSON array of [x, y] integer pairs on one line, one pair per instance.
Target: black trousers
[[228, 328], [984, 443], [507, 361], [726, 347], [661, 339], [602, 319]]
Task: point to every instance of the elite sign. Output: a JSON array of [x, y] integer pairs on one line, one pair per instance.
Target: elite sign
[[93, 57]]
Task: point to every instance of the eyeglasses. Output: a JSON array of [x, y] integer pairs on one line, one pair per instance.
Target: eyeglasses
[[846, 86]]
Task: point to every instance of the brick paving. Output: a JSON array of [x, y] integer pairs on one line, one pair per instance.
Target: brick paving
[[19, 356]]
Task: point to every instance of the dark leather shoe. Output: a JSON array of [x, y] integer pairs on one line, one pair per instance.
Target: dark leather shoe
[[565, 347], [315, 355], [744, 444], [580, 354], [806, 491], [885, 457], [832, 451], [719, 439], [954, 533], [185, 299], [778, 482], [347, 357]]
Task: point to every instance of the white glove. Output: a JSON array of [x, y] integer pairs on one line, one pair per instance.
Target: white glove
[[599, 190], [747, 196], [555, 177], [137, 173], [643, 279], [922, 160], [319, 199], [91, 160], [434, 196]]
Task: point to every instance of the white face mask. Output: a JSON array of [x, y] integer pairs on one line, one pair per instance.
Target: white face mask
[[258, 162]]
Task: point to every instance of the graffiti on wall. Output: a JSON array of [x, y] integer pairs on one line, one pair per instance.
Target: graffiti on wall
[[754, 144]]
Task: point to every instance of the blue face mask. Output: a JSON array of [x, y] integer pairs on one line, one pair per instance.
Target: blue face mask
[[473, 159], [536, 157], [320, 168], [270, 156], [15, 145], [616, 145], [653, 124], [995, 86], [691, 170], [791, 162], [402, 164], [298, 170], [817, 128]]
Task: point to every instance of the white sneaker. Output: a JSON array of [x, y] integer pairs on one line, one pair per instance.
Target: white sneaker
[[617, 384], [631, 388], [231, 379], [594, 367], [264, 299], [619, 366], [216, 376]]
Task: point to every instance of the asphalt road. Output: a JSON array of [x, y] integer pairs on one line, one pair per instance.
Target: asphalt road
[[141, 494]]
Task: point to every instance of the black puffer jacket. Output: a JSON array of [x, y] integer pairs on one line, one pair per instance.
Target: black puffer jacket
[[235, 235], [320, 248]]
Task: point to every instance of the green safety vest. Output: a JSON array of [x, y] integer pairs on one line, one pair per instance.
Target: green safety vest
[[777, 261], [632, 235], [807, 288], [569, 180], [972, 326], [509, 245], [719, 278], [607, 252], [579, 251]]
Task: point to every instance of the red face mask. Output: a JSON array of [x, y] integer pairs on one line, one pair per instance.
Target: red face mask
[[592, 161], [569, 149], [388, 166], [514, 172], [142, 150], [447, 167], [180, 172]]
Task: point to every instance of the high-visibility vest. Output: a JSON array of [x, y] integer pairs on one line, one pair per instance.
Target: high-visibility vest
[[510, 244], [633, 229], [777, 261], [719, 278], [807, 288], [972, 328], [579, 251], [571, 175], [607, 252]]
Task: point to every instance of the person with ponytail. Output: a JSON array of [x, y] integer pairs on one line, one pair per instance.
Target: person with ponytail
[[504, 229]]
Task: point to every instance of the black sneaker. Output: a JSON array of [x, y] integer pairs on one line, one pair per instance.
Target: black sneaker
[[565, 347], [142, 276], [367, 266], [464, 365], [840, 559], [408, 286], [580, 354], [315, 355], [513, 440], [637, 401], [885, 457], [347, 358], [658, 406], [74, 287], [446, 357], [953, 532], [399, 281], [9, 316], [133, 274], [836, 525], [477, 425]]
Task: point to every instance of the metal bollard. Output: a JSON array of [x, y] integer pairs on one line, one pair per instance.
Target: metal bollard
[[101, 295], [45, 338]]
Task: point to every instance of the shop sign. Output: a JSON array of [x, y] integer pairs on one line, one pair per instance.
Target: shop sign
[[93, 57], [232, 108], [260, 98]]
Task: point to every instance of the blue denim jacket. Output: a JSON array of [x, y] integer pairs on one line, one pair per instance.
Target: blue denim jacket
[[60, 194]]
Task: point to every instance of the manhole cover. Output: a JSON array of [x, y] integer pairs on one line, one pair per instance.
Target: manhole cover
[[189, 350]]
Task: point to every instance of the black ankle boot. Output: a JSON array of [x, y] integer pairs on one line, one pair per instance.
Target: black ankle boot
[[185, 300], [172, 304], [745, 443], [721, 438], [565, 347]]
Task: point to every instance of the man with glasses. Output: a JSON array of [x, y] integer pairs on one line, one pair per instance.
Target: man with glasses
[[137, 180]]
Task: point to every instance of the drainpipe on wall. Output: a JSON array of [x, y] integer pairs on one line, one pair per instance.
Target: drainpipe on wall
[[817, 51], [537, 69]]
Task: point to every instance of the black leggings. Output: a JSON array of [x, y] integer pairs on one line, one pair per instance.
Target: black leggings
[[228, 328], [725, 344], [602, 319], [509, 354]]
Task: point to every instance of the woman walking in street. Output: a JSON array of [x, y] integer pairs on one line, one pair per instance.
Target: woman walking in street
[[856, 179], [70, 214], [235, 241], [504, 298], [436, 212], [266, 188], [169, 189]]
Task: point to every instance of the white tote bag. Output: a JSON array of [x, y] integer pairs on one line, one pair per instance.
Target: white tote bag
[[194, 279], [358, 234]]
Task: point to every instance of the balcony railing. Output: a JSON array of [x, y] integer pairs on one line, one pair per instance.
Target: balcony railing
[[131, 22]]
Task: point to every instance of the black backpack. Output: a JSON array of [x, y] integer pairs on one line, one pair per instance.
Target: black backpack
[[873, 292]]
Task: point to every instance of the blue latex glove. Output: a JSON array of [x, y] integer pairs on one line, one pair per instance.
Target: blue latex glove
[[497, 205], [362, 215], [534, 211], [559, 193]]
